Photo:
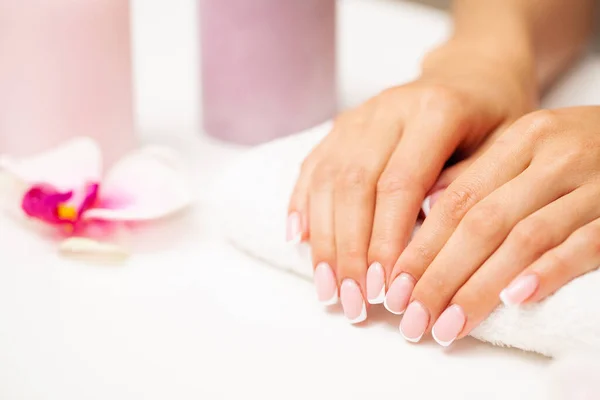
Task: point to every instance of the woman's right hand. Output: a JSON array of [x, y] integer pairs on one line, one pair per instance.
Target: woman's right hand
[[360, 190]]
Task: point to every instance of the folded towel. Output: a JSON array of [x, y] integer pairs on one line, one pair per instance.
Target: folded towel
[[253, 203]]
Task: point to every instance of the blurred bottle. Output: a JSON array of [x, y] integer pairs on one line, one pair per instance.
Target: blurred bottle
[[268, 67], [65, 71]]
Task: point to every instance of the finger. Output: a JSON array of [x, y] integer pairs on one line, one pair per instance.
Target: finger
[[297, 227], [322, 238], [411, 171], [353, 210], [499, 165], [452, 173], [478, 236], [530, 238], [579, 254]]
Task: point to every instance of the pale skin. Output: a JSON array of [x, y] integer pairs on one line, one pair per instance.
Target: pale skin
[[515, 172]]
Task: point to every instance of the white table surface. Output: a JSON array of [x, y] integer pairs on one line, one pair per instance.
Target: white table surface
[[193, 318]]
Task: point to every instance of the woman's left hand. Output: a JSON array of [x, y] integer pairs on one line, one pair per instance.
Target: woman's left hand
[[520, 222]]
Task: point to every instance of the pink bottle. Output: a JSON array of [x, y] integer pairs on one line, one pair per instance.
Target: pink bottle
[[268, 67], [65, 71]]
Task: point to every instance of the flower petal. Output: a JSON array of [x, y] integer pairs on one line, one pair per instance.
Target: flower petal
[[149, 184], [44, 203], [66, 167], [89, 248]]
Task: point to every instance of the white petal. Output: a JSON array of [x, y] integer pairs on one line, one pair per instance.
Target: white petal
[[66, 167], [92, 249], [148, 184]]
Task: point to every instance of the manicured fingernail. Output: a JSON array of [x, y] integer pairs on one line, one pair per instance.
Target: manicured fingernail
[[325, 284], [353, 303], [398, 294], [375, 284], [449, 325], [294, 228], [520, 290], [430, 201], [414, 322]]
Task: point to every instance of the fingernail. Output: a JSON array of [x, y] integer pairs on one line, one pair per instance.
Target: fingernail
[[520, 290], [398, 294], [449, 325], [375, 284], [430, 201], [325, 284], [294, 228], [414, 322], [352, 301]]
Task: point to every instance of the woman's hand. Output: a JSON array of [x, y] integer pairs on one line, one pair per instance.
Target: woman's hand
[[520, 222], [360, 190]]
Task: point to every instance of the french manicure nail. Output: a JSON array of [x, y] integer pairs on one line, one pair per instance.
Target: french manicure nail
[[353, 303], [294, 228], [375, 284], [430, 201], [398, 294], [325, 284], [520, 290], [414, 322], [449, 325]]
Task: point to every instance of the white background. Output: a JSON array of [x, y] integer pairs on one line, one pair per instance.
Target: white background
[[193, 319]]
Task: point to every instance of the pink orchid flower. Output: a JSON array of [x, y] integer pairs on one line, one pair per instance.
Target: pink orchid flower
[[65, 187]]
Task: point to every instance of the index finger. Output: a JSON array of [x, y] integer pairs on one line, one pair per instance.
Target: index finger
[[497, 166]]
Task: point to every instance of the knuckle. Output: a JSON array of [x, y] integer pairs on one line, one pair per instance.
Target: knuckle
[[354, 178], [389, 95], [422, 254], [591, 238], [541, 123], [560, 265], [532, 234], [484, 221], [442, 97], [391, 184], [352, 253], [324, 176], [459, 201]]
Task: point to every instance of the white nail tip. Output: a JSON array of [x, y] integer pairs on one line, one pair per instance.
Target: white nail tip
[[296, 239], [385, 304], [441, 343], [412, 340], [505, 299], [361, 317], [333, 300], [426, 207], [380, 297]]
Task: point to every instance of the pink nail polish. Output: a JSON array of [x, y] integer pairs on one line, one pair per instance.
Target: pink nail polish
[[294, 228], [352, 301], [398, 294], [414, 323], [325, 284], [430, 201], [520, 290], [375, 283], [449, 325]]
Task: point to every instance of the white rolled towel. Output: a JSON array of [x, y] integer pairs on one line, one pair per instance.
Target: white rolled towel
[[253, 201]]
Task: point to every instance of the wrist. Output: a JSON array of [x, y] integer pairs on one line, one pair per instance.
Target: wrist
[[509, 68]]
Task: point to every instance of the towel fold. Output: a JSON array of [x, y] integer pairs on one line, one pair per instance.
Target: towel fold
[[253, 201]]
